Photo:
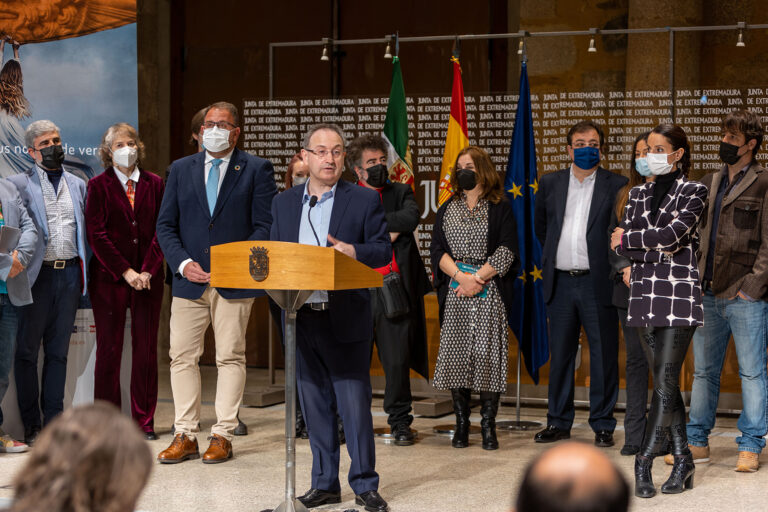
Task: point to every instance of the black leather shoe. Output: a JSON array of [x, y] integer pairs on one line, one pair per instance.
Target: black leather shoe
[[317, 497], [681, 477], [372, 501], [630, 449], [30, 436], [150, 436], [241, 429], [604, 438], [551, 434], [402, 434]]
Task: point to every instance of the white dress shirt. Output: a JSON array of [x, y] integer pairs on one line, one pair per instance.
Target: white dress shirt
[[222, 171], [572, 249], [134, 177]]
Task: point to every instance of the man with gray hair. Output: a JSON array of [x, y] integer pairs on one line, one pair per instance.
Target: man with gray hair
[[334, 329], [55, 199]]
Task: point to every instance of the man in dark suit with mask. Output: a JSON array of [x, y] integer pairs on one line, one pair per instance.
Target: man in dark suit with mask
[[572, 214], [401, 341]]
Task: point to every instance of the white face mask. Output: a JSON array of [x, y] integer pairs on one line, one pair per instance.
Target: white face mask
[[657, 162], [216, 139], [300, 180], [125, 156]]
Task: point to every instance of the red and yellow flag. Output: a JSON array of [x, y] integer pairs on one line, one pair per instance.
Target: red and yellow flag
[[457, 138]]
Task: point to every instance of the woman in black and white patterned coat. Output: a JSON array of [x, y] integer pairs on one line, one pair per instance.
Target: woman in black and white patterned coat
[[658, 233], [474, 260]]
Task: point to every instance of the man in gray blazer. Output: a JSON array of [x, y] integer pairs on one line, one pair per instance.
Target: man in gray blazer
[[55, 199], [14, 290]]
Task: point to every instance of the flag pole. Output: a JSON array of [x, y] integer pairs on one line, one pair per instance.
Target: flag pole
[[517, 424]]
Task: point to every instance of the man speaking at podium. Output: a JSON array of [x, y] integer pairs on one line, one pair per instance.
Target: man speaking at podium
[[334, 330]]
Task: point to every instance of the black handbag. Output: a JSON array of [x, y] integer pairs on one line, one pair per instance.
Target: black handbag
[[393, 295]]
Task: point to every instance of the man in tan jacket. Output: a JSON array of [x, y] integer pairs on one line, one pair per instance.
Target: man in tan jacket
[[733, 263]]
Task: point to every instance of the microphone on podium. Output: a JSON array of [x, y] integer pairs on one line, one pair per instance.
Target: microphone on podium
[[312, 203]]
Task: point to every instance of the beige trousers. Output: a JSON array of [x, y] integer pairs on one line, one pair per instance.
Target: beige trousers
[[189, 321]]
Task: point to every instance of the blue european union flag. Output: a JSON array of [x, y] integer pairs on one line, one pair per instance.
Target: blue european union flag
[[528, 320]]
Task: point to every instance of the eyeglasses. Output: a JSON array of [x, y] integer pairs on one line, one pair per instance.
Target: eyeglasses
[[322, 153], [224, 125]]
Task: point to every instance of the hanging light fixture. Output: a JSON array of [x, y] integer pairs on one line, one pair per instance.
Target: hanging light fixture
[[388, 51], [324, 57], [740, 40], [592, 48]]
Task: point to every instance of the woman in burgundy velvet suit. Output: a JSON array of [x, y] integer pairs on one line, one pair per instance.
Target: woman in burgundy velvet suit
[[126, 268]]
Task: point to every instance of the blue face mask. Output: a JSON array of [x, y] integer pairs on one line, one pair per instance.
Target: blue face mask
[[586, 157], [641, 166]]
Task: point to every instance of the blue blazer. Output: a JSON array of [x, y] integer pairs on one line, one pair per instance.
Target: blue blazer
[[31, 192], [548, 222], [186, 228], [357, 218], [15, 215]]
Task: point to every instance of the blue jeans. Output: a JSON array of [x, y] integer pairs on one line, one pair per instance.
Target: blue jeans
[[747, 322], [7, 344]]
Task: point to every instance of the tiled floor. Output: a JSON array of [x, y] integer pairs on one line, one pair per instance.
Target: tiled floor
[[429, 476]]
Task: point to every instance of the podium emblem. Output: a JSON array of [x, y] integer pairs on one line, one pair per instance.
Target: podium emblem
[[259, 263]]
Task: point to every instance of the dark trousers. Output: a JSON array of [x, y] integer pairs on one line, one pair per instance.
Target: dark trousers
[[325, 367], [637, 383], [666, 348], [392, 341], [50, 318], [574, 305], [110, 300]]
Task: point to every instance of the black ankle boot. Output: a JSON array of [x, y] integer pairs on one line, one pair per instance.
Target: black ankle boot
[[681, 477], [461, 408], [488, 410], [643, 481]]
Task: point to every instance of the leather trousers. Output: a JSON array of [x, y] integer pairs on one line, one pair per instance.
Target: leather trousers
[[666, 348]]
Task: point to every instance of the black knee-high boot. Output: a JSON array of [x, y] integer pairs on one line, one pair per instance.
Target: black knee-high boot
[[461, 408], [489, 408]]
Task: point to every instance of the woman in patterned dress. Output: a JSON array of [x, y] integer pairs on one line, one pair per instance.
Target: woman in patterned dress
[[474, 255], [658, 234]]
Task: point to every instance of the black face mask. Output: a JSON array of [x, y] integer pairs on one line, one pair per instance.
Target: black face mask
[[729, 153], [377, 175], [466, 179], [53, 157]]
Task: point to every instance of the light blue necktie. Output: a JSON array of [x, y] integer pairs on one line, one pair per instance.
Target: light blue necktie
[[212, 187]]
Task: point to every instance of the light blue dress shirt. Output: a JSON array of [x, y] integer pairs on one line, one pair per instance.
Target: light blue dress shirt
[[321, 220]]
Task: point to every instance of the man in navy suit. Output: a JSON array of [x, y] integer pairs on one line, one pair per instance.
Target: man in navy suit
[[335, 329], [572, 214], [213, 197], [55, 199]]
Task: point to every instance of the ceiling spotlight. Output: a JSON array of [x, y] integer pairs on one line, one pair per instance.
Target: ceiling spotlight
[[388, 52], [740, 40], [520, 47], [592, 48], [324, 57]]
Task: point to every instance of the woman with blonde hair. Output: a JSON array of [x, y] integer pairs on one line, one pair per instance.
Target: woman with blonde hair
[[89, 459], [126, 270], [474, 255]]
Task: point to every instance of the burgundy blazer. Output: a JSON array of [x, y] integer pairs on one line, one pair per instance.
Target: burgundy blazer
[[122, 237]]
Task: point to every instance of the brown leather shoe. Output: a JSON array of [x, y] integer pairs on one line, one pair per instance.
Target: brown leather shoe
[[748, 462], [220, 450], [182, 448], [700, 455]]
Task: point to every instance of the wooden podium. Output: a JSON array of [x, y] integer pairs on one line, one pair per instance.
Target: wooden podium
[[289, 273]]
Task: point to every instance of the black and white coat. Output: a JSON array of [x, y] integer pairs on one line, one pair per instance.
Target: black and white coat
[[664, 283]]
